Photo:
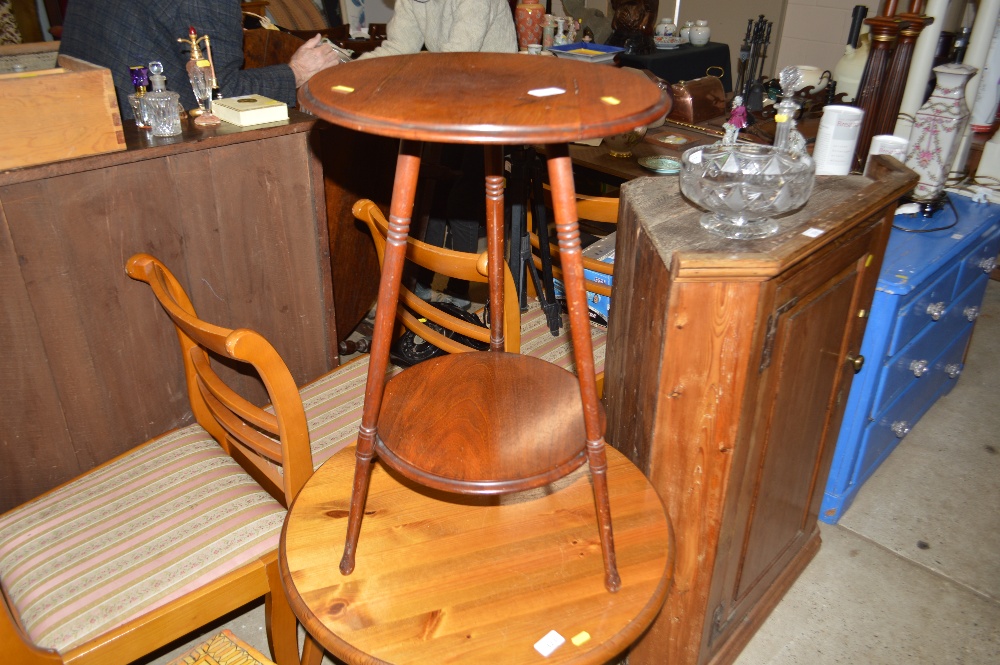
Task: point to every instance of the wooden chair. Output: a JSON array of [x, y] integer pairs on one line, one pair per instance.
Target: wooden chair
[[524, 332], [601, 209], [173, 534], [416, 314]]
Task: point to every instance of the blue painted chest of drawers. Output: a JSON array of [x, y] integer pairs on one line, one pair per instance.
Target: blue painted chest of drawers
[[928, 297]]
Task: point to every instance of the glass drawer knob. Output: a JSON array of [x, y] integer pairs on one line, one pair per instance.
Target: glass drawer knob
[[988, 264], [971, 312], [900, 428], [918, 367], [936, 309], [953, 370]]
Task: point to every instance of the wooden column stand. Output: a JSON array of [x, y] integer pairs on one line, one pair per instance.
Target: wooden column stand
[[884, 30], [913, 23]]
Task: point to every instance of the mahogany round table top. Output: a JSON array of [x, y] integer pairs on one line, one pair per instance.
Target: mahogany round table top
[[444, 578], [487, 98]]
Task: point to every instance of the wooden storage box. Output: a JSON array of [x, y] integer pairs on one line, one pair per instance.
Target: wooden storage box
[[63, 112]]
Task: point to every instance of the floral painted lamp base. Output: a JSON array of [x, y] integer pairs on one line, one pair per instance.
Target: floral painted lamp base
[[937, 128]]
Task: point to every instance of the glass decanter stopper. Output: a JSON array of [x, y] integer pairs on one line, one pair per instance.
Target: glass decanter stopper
[[161, 105], [786, 137]]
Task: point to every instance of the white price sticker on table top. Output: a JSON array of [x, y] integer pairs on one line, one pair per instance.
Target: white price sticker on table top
[[548, 644]]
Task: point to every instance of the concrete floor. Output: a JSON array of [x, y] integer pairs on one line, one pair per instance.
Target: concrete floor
[[911, 574]]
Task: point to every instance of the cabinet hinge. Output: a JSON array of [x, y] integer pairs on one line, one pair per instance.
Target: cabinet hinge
[[771, 331]]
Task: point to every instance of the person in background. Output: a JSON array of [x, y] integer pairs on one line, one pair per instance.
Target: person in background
[[118, 34], [448, 26], [452, 26]]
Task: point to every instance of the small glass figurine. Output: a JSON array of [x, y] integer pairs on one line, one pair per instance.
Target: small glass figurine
[[201, 73]]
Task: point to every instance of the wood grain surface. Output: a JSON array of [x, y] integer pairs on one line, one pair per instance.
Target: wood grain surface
[[483, 98], [448, 579], [514, 421], [92, 370]]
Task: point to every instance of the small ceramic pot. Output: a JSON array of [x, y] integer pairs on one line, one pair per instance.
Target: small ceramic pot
[[685, 32], [812, 76], [700, 33], [620, 145], [665, 28]]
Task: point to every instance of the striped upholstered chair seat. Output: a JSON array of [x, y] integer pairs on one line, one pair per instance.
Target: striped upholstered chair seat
[[131, 536], [154, 524], [149, 526]]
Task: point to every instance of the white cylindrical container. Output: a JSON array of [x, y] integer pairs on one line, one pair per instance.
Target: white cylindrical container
[[920, 67], [988, 95], [836, 139], [887, 144], [987, 12]]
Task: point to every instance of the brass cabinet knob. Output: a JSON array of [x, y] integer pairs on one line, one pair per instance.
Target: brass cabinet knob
[[857, 362]]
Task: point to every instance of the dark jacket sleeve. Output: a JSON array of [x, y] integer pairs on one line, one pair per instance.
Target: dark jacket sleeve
[[223, 22]]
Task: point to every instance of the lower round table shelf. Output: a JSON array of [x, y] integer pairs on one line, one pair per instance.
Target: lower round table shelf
[[515, 421], [445, 578]]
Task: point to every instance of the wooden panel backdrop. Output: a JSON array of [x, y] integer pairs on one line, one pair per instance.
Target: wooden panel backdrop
[[90, 363]]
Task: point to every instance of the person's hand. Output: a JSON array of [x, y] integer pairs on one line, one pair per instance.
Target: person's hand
[[312, 57]]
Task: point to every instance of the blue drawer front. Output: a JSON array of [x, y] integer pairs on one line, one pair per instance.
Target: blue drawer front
[[882, 435], [915, 360], [980, 260], [923, 308], [910, 365]]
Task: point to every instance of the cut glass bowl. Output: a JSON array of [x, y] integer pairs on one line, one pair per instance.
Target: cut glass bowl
[[745, 186]]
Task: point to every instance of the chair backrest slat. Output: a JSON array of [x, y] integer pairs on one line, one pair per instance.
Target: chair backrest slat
[[232, 400], [283, 464], [601, 209], [242, 433], [415, 313]]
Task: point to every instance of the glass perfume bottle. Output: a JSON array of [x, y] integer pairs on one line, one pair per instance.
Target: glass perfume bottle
[[201, 73], [161, 105], [140, 80]]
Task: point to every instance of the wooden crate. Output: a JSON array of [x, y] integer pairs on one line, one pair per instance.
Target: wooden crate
[[50, 115]]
